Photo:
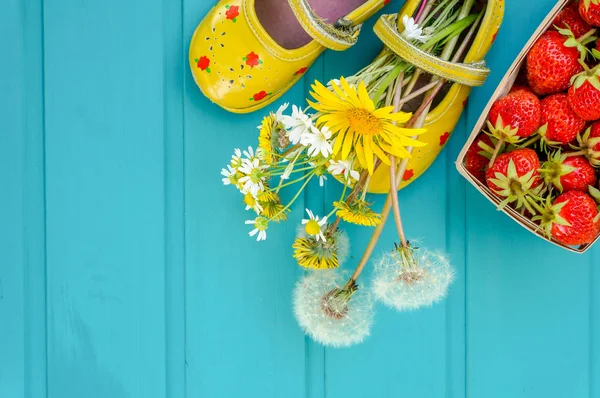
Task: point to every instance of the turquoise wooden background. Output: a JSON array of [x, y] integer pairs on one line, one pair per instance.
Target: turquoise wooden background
[[125, 266]]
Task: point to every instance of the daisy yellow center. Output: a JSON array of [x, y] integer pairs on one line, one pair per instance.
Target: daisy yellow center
[[249, 200], [363, 122], [256, 176], [261, 223], [312, 227]]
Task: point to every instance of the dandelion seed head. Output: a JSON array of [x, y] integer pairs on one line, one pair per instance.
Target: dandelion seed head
[[331, 313], [408, 282]]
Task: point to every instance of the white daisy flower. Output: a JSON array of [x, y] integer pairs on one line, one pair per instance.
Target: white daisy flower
[[318, 142], [260, 228], [228, 175], [254, 179], [279, 114], [320, 170], [250, 154], [412, 31], [313, 226], [322, 180], [411, 279], [236, 158], [288, 171], [330, 311], [339, 167], [298, 125]]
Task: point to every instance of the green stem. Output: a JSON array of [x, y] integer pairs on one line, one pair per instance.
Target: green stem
[[295, 196], [291, 182], [531, 141]]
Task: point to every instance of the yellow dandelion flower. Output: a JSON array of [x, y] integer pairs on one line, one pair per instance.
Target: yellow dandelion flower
[[273, 211], [266, 137], [268, 196], [313, 254], [358, 212], [358, 127]]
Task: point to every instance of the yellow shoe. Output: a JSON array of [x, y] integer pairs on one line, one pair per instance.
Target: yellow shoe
[[440, 121], [240, 67]]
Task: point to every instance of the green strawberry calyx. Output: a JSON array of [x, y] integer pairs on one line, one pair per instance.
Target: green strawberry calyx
[[585, 147], [515, 188], [588, 75], [588, 3], [594, 193], [549, 214], [502, 132], [553, 169], [579, 43]]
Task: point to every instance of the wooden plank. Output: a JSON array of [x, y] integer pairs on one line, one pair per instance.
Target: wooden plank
[[174, 71], [405, 348], [528, 313], [22, 235], [242, 339], [105, 176]]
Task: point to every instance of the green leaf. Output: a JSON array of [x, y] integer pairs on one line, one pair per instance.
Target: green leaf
[[512, 170], [579, 81], [595, 82], [594, 193], [571, 42]]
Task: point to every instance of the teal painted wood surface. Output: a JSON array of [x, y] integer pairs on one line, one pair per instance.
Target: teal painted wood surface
[[125, 266]]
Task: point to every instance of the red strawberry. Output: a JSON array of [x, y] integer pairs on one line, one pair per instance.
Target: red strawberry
[[475, 162], [590, 11], [560, 125], [572, 220], [569, 173], [520, 111], [513, 175], [551, 64], [569, 18], [584, 94], [588, 144]]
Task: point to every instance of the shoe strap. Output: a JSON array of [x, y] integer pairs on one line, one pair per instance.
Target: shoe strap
[[340, 35], [469, 74]]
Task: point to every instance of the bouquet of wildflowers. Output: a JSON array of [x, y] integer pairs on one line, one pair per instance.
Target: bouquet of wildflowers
[[350, 128]]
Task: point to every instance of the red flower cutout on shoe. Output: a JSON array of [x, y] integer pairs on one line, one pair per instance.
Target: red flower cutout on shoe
[[232, 12], [408, 174], [386, 2], [261, 95], [252, 59], [444, 138], [300, 71], [203, 63]]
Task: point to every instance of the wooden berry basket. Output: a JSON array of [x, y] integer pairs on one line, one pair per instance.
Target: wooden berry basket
[[503, 89]]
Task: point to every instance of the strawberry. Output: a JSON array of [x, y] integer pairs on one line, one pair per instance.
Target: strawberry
[[588, 145], [514, 175], [569, 18], [590, 11], [475, 160], [515, 116], [560, 125], [569, 173], [551, 63], [584, 94], [573, 219]]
